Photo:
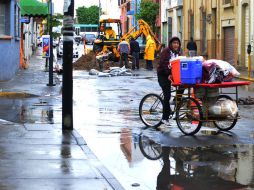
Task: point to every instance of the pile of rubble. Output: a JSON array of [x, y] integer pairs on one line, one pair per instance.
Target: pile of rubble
[[88, 62], [111, 72], [246, 101]]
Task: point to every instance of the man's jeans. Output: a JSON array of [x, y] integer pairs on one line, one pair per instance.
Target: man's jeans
[[124, 56], [149, 64], [135, 60]]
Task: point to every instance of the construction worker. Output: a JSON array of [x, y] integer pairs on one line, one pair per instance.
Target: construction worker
[[110, 33], [134, 52], [149, 52], [84, 46], [124, 49], [102, 28]]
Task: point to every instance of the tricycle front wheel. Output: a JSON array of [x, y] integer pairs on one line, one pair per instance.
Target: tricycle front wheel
[[189, 116], [150, 110]]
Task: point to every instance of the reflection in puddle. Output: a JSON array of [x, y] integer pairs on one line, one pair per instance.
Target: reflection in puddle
[[28, 111], [32, 115], [215, 167], [129, 146]]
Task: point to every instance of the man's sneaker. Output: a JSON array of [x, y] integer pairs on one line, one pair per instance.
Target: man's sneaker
[[172, 102], [166, 122], [172, 116]]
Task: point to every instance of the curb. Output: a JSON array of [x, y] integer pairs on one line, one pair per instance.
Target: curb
[[16, 95], [246, 78]]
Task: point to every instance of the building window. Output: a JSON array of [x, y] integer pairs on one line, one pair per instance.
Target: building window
[[180, 26], [170, 27], [17, 21], [2, 19], [227, 2], [204, 41], [191, 25], [128, 6]]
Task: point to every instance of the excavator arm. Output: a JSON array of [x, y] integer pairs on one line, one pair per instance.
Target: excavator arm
[[142, 28]]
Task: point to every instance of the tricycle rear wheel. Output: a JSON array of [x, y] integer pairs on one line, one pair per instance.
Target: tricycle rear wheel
[[228, 123]]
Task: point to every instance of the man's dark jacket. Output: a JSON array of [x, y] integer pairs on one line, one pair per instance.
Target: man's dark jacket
[[134, 45]]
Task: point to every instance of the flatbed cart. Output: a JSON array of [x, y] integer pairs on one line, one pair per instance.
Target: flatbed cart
[[190, 111]]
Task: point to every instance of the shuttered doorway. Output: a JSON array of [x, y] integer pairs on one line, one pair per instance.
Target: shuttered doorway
[[229, 44]]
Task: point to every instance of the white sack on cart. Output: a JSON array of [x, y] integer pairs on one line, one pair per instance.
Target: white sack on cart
[[224, 108]]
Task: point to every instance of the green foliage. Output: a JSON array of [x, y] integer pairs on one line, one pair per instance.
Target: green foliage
[[55, 22], [148, 11], [88, 15]]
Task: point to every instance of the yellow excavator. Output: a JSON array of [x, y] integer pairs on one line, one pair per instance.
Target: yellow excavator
[[105, 46], [142, 29]]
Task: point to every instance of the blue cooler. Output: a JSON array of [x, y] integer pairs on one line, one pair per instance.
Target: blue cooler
[[191, 71]]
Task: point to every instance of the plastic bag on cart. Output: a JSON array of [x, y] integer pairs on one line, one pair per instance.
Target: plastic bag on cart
[[223, 108], [208, 68], [211, 73], [228, 71]]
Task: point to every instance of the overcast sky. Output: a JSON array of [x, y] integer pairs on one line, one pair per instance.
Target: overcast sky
[[58, 4]]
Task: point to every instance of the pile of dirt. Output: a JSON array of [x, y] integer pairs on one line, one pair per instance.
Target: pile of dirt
[[85, 62], [88, 62]]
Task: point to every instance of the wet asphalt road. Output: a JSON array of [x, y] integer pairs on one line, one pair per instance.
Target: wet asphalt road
[[106, 115]]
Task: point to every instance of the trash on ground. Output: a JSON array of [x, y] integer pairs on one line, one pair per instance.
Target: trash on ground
[[57, 67], [113, 71]]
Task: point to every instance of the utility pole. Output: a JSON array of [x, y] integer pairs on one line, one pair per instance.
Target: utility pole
[[99, 10], [51, 44], [67, 90]]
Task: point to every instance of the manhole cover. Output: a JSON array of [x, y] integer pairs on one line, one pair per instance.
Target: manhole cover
[[135, 185]]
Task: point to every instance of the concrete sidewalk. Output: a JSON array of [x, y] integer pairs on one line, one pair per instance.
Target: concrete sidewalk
[[245, 75], [42, 156]]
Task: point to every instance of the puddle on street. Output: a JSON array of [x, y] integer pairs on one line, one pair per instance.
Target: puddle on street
[[128, 154], [215, 167], [29, 110]]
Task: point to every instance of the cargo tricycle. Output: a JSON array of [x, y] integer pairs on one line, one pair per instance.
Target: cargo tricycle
[[193, 109]]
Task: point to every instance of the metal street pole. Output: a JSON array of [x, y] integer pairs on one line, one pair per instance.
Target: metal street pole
[[99, 9], [67, 91], [249, 60], [51, 45]]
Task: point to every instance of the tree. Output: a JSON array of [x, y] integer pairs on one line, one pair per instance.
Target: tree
[[88, 15], [148, 11], [55, 23]]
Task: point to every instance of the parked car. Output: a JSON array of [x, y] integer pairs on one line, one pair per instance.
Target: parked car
[[59, 49], [142, 46], [77, 39], [89, 38]]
